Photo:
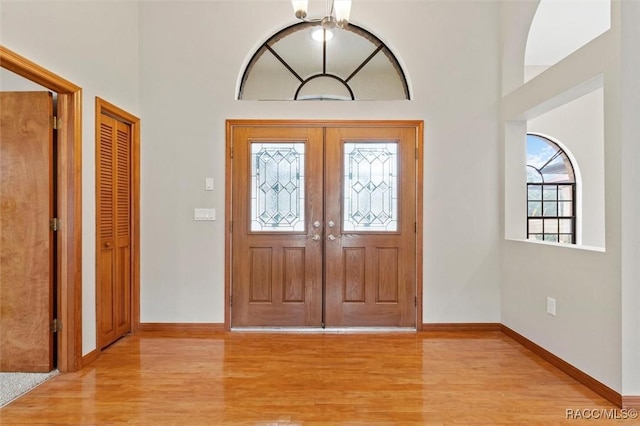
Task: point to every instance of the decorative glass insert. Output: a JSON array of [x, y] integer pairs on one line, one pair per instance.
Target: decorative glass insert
[[370, 187], [551, 187], [302, 62], [277, 187]]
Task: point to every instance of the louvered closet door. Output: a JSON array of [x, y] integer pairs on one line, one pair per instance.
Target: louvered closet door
[[114, 211]]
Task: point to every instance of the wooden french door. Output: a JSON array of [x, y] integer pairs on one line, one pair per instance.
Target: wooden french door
[[113, 166], [323, 226], [27, 248], [370, 229]]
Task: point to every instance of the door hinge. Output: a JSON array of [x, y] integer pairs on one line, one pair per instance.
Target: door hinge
[[57, 123], [417, 156], [415, 301], [230, 301], [415, 227], [231, 226], [54, 224], [231, 152], [56, 325]]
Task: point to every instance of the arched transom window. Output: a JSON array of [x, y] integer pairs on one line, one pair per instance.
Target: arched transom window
[[305, 62], [551, 192]]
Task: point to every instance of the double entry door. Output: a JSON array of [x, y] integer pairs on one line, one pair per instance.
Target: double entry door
[[323, 226]]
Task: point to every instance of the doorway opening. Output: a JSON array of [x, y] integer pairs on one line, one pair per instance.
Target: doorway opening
[[68, 301], [324, 224]]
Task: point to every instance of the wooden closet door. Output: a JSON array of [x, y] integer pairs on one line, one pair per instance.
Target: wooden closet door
[[113, 233]]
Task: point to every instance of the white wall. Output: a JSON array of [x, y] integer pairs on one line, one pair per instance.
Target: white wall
[[10, 81], [95, 46], [190, 61]]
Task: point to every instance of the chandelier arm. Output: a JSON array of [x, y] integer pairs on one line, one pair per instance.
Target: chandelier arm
[[330, 18]]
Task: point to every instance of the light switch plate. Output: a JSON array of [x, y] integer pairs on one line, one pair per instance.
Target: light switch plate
[[204, 214], [551, 306], [208, 184]]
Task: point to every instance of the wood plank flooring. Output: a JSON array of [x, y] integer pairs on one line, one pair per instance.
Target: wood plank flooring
[[429, 378]]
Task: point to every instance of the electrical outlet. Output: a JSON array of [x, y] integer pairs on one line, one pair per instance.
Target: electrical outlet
[[551, 306]]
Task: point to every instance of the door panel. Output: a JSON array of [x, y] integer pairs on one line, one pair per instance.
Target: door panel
[[370, 250], [26, 249], [277, 264], [344, 253], [122, 286]]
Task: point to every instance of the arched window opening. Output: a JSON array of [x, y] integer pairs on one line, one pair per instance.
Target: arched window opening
[[305, 62], [561, 27], [551, 192]]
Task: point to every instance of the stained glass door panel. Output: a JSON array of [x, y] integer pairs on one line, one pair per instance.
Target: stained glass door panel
[[370, 187], [277, 187]]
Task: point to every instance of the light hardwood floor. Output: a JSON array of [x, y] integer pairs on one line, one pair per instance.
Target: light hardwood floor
[[339, 378]]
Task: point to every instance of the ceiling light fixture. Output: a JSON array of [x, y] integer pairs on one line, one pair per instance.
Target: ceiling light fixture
[[337, 13], [321, 35]]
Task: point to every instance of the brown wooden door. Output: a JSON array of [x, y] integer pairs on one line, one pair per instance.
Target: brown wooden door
[[113, 197], [277, 270], [370, 213], [26, 240], [313, 242]]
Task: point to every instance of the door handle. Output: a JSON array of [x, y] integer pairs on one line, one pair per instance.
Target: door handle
[[316, 237], [107, 245], [331, 237]]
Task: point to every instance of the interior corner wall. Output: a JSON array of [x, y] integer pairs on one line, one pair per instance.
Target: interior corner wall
[[629, 15], [95, 46], [586, 284]]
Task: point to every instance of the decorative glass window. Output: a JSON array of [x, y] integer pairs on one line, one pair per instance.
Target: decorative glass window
[[551, 192], [305, 62], [277, 187], [370, 187]]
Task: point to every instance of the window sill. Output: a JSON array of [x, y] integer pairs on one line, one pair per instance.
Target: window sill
[[559, 245]]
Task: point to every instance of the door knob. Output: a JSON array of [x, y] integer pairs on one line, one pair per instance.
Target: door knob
[[330, 237], [107, 245], [331, 224], [316, 224]]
